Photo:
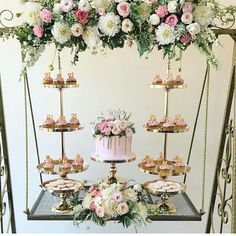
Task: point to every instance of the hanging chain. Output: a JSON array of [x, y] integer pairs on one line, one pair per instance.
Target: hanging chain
[[59, 62], [26, 151], [202, 210]]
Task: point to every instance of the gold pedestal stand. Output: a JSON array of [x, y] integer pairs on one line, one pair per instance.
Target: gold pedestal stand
[[62, 206], [112, 178]]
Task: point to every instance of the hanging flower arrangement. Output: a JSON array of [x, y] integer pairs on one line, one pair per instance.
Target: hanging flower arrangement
[[81, 24]]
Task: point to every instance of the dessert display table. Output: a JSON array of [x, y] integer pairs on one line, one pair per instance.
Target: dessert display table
[[185, 208]]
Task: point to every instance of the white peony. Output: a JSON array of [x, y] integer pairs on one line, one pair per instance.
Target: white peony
[[130, 194], [116, 130], [154, 19], [77, 29], [165, 34], [172, 6], [127, 26], [109, 24], [61, 32], [31, 14], [194, 28], [203, 15], [122, 208], [91, 36], [87, 201]]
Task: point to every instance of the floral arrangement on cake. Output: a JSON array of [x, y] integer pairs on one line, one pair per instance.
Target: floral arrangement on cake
[[114, 123], [81, 24], [104, 202]]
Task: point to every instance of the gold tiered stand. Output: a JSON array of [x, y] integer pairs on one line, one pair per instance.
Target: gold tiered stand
[[62, 206], [112, 178], [164, 204]]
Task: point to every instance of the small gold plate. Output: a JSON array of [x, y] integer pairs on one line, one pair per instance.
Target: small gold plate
[[61, 86], [63, 129], [162, 130], [163, 86], [130, 158]]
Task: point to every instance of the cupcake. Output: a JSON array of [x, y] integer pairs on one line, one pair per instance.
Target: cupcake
[[61, 122], [157, 80], [168, 125], [152, 122], [65, 166], [164, 169], [179, 80], [145, 159], [160, 159], [47, 79], [49, 122], [180, 122], [150, 163], [59, 80], [179, 167], [177, 159], [48, 164], [74, 122], [71, 79], [78, 163], [169, 80]]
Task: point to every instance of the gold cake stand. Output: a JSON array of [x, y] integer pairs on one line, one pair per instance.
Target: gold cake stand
[[61, 129], [61, 86], [112, 178]]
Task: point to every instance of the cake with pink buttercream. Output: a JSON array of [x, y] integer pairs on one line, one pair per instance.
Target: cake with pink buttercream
[[113, 135]]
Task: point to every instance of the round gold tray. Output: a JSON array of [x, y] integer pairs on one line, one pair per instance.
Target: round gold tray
[[158, 192], [156, 171], [57, 171], [163, 86], [130, 158], [66, 129], [161, 130], [61, 86]]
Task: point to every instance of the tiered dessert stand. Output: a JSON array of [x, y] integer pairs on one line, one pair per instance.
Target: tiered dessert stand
[[69, 184], [165, 205], [112, 178]]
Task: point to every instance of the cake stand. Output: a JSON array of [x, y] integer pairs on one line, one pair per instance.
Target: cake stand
[[164, 204], [113, 169]]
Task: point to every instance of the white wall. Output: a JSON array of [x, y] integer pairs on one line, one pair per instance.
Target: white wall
[[118, 80]]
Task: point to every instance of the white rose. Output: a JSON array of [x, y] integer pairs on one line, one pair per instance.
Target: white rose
[[117, 122], [122, 208], [187, 18], [138, 187], [87, 201], [172, 6], [123, 125], [77, 29], [154, 19], [194, 28], [31, 14], [129, 132], [116, 130], [127, 26], [84, 5]]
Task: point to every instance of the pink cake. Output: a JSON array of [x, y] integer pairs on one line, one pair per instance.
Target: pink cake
[[114, 147]]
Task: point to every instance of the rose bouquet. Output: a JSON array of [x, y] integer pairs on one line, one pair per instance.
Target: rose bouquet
[[116, 123], [118, 202], [81, 24]]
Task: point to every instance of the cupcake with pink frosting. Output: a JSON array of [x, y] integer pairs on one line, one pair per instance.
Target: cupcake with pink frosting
[[177, 159], [47, 79], [65, 166], [61, 122], [160, 159], [164, 169], [168, 125], [169, 80], [179, 80], [157, 80], [49, 122], [59, 80], [78, 163], [179, 122], [71, 79], [74, 122], [48, 164], [179, 167], [152, 122]]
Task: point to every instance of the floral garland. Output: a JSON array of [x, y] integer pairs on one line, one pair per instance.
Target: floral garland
[[119, 202], [81, 24]]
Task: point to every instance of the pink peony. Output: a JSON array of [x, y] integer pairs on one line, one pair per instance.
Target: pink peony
[[100, 212], [81, 16], [187, 7], [93, 206], [92, 187], [38, 31], [101, 11], [46, 16], [172, 20], [162, 11], [185, 39], [123, 9]]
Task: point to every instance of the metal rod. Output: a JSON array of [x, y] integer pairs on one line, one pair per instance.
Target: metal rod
[[196, 120], [62, 133], [166, 115], [222, 145]]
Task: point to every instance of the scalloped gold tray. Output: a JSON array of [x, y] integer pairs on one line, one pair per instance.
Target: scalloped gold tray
[[158, 192], [130, 158], [163, 86], [156, 171], [61, 86], [63, 129], [57, 171], [163, 130]]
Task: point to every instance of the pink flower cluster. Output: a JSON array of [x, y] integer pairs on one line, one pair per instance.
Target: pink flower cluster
[[105, 127]]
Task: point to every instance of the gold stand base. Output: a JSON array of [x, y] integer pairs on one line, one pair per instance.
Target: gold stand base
[[116, 180], [165, 206], [62, 206]]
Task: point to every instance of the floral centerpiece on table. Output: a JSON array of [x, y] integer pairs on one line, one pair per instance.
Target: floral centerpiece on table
[[114, 123], [81, 24], [119, 202]]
